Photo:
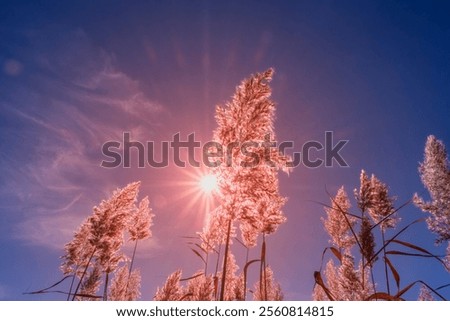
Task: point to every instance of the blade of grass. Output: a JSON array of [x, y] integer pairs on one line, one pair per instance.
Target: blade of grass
[[319, 281], [245, 275], [393, 213], [394, 272], [50, 287], [336, 253], [418, 248], [392, 239], [192, 277], [395, 252], [381, 296], [198, 254], [68, 293]]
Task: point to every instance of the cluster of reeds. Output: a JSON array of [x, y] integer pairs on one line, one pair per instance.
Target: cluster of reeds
[[248, 198], [249, 202], [95, 255], [353, 236]]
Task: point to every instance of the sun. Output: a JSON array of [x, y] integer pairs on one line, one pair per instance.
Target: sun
[[197, 189], [208, 183]]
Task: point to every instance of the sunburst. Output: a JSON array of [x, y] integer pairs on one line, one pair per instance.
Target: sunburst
[[199, 189]]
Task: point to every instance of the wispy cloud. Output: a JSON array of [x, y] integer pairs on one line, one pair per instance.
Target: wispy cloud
[[73, 101], [51, 231]]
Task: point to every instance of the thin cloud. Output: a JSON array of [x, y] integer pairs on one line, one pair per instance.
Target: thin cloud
[[68, 206], [77, 101], [51, 231]]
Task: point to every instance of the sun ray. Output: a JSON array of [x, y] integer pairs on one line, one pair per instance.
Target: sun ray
[[196, 188]]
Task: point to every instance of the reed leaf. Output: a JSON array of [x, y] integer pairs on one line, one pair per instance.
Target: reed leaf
[[381, 296], [394, 272], [319, 281]]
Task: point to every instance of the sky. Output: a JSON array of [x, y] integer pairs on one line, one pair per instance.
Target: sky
[[77, 74]]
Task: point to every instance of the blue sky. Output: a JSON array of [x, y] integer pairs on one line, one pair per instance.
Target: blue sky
[[76, 74]]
